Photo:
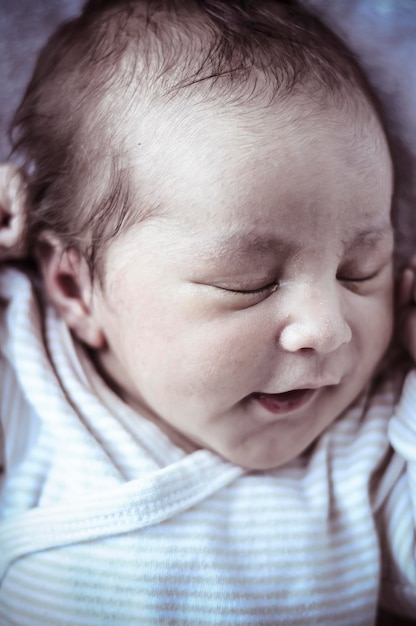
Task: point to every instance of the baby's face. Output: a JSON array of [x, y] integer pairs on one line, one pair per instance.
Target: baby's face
[[256, 308]]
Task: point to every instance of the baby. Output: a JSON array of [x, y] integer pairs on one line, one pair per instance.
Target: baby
[[203, 420]]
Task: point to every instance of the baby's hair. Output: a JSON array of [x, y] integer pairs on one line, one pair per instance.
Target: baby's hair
[[121, 56]]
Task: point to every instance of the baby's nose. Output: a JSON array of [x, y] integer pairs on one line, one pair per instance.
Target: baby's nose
[[315, 322]]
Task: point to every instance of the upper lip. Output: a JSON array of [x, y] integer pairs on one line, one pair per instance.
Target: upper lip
[[302, 387]]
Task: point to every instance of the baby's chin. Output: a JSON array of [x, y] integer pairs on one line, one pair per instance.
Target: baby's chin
[[275, 441], [261, 462], [268, 455]]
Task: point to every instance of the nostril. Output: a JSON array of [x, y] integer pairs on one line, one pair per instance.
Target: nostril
[[307, 351], [5, 218]]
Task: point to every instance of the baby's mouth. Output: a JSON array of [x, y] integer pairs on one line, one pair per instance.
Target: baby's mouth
[[284, 402]]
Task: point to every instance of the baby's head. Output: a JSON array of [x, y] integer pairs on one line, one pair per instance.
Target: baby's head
[[209, 195]]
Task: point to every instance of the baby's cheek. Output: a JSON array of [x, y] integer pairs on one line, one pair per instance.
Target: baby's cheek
[[386, 316], [225, 363], [377, 331]]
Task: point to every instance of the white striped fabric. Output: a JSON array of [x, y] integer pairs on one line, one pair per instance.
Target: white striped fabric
[[104, 521]]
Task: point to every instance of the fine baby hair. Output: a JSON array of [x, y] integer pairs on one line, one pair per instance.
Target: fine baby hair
[[119, 61]]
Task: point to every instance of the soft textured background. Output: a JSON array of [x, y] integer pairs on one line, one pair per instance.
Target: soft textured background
[[381, 32]]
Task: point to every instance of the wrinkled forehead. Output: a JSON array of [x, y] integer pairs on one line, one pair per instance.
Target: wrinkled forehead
[[206, 146]]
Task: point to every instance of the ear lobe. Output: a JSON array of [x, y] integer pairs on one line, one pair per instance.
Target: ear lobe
[[12, 213], [68, 283]]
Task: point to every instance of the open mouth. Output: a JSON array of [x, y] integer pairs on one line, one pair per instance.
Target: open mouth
[[284, 402]]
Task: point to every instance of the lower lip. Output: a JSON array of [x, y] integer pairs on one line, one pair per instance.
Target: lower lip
[[284, 402]]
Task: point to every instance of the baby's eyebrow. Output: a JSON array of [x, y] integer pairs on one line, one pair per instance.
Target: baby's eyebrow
[[246, 245], [242, 246], [370, 238]]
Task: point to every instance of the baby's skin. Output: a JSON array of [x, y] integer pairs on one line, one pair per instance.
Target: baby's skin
[[407, 307]]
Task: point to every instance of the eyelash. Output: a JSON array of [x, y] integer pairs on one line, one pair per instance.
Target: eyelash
[[267, 290], [362, 279], [271, 288]]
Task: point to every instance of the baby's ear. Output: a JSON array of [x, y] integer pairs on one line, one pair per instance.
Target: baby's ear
[[69, 286], [12, 212]]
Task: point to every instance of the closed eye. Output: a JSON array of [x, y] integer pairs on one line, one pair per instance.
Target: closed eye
[[266, 290], [359, 284], [357, 279], [360, 277], [365, 267]]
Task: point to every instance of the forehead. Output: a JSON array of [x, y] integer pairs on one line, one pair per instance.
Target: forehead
[[228, 172]]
